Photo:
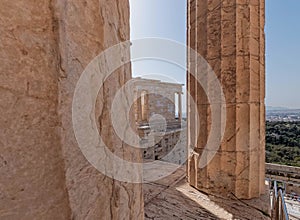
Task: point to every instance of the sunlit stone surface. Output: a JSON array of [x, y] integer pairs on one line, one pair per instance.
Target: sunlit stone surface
[[230, 36]]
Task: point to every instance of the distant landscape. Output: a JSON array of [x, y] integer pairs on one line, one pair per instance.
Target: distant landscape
[[283, 136], [282, 114]]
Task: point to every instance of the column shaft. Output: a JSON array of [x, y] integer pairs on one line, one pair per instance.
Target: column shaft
[[230, 36], [179, 107]]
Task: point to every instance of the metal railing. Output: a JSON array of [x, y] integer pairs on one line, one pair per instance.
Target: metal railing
[[279, 210]]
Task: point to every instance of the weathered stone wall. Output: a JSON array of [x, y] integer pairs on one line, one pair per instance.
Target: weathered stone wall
[[159, 139], [230, 36], [164, 146], [287, 174], [159, 99], [102, 24], [282, 170], [32, 182], [45, 46]]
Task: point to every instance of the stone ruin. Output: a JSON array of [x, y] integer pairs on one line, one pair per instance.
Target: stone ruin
[[156, 99], [45, 46]]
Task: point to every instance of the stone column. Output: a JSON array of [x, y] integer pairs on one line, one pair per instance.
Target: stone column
[[179, 107], [230, 36], [191, 113]]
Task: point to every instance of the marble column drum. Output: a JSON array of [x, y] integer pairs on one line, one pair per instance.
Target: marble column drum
[[230, 36]]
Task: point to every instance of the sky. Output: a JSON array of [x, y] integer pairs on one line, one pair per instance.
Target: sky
[[167, 19], [283, 53]]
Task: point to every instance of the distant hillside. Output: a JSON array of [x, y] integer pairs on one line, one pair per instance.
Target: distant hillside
[[272, 108], [283, 114]]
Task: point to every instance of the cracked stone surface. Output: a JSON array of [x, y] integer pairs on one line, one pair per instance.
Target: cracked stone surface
[[44, 47], [173, 198], [229, 35]]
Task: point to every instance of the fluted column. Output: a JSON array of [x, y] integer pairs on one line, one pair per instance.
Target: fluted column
[[230, 36]]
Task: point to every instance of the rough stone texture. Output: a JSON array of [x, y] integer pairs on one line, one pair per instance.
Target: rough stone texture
[[167, 146], [32, 182], [101, 24], [173, 198], [158, 138], [159, 98], [45, 45], [230, 36]]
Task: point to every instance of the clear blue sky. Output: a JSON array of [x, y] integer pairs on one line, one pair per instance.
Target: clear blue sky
[[167, 19], [283, 53]]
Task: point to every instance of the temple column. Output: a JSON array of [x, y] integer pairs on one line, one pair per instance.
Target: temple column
[[179, 107], [230, 36]]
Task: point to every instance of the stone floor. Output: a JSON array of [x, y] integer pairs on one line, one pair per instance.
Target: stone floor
[[172, 198]]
